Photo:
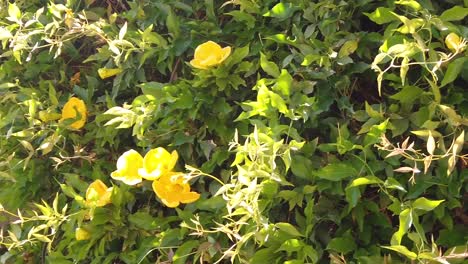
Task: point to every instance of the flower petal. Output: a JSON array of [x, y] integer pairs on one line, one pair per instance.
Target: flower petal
[[127, 179], [196, 63], [98, 194], [189, 197], [173, 161], [226, 52], [128, 166], [97, 188], [171, 204], [207, 48], [72, 109], [157, 162]]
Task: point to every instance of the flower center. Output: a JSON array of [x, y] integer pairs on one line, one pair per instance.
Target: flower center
[[177, 188]]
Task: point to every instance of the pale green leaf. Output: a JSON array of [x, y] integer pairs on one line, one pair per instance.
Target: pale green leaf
[[403, 250], [381, 15], [426, 204]]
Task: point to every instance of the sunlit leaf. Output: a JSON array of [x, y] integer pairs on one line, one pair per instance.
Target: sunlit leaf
[[426, 204]]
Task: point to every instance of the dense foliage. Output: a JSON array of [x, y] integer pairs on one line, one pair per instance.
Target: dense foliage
[[242, 131]]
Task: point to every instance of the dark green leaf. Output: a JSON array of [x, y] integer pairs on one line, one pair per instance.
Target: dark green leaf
[[342, 245], [336, 172], [268, 66], [183, 252]]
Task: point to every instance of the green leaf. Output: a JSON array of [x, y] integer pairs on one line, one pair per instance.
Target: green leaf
[[336, 172], [5, 34], [183, 252], [301, 166], [283, 83], [282, 11], [239, 54], [404, 50], [453, 117], [288, 229], [426, 133], [241, 16], [373, 113], [52, 94], [268, 66], [294, 261], [14, 13], [453, 70], [264, 255], [381, 15], [7, 85], [435, 90], [283, 39], [426, 204], [123, 31], [291, 245], [172, 23], [143, 220], [42, 238], [365, 181], [408, 94], [411, 3], [154, 89], [454, 14], [373, 136], [352, 197], [404, 69], [348, 48], [278, 102], [403, 250], [406, 220], [342, 245]]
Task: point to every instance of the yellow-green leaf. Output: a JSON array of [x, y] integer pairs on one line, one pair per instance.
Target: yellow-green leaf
[[348, 48], [106, 73], [426, 204]]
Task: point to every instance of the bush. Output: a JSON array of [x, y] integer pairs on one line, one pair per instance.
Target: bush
[[233, 131]]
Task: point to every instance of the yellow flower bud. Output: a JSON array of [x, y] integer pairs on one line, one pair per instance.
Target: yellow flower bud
[[98, 194], [452, 41], [82, 234]]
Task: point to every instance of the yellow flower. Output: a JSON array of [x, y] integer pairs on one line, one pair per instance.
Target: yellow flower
[[209, 54], [82, 234], [172, 189], [72, 109], [158, 162], [98, 194], [127, 168]]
